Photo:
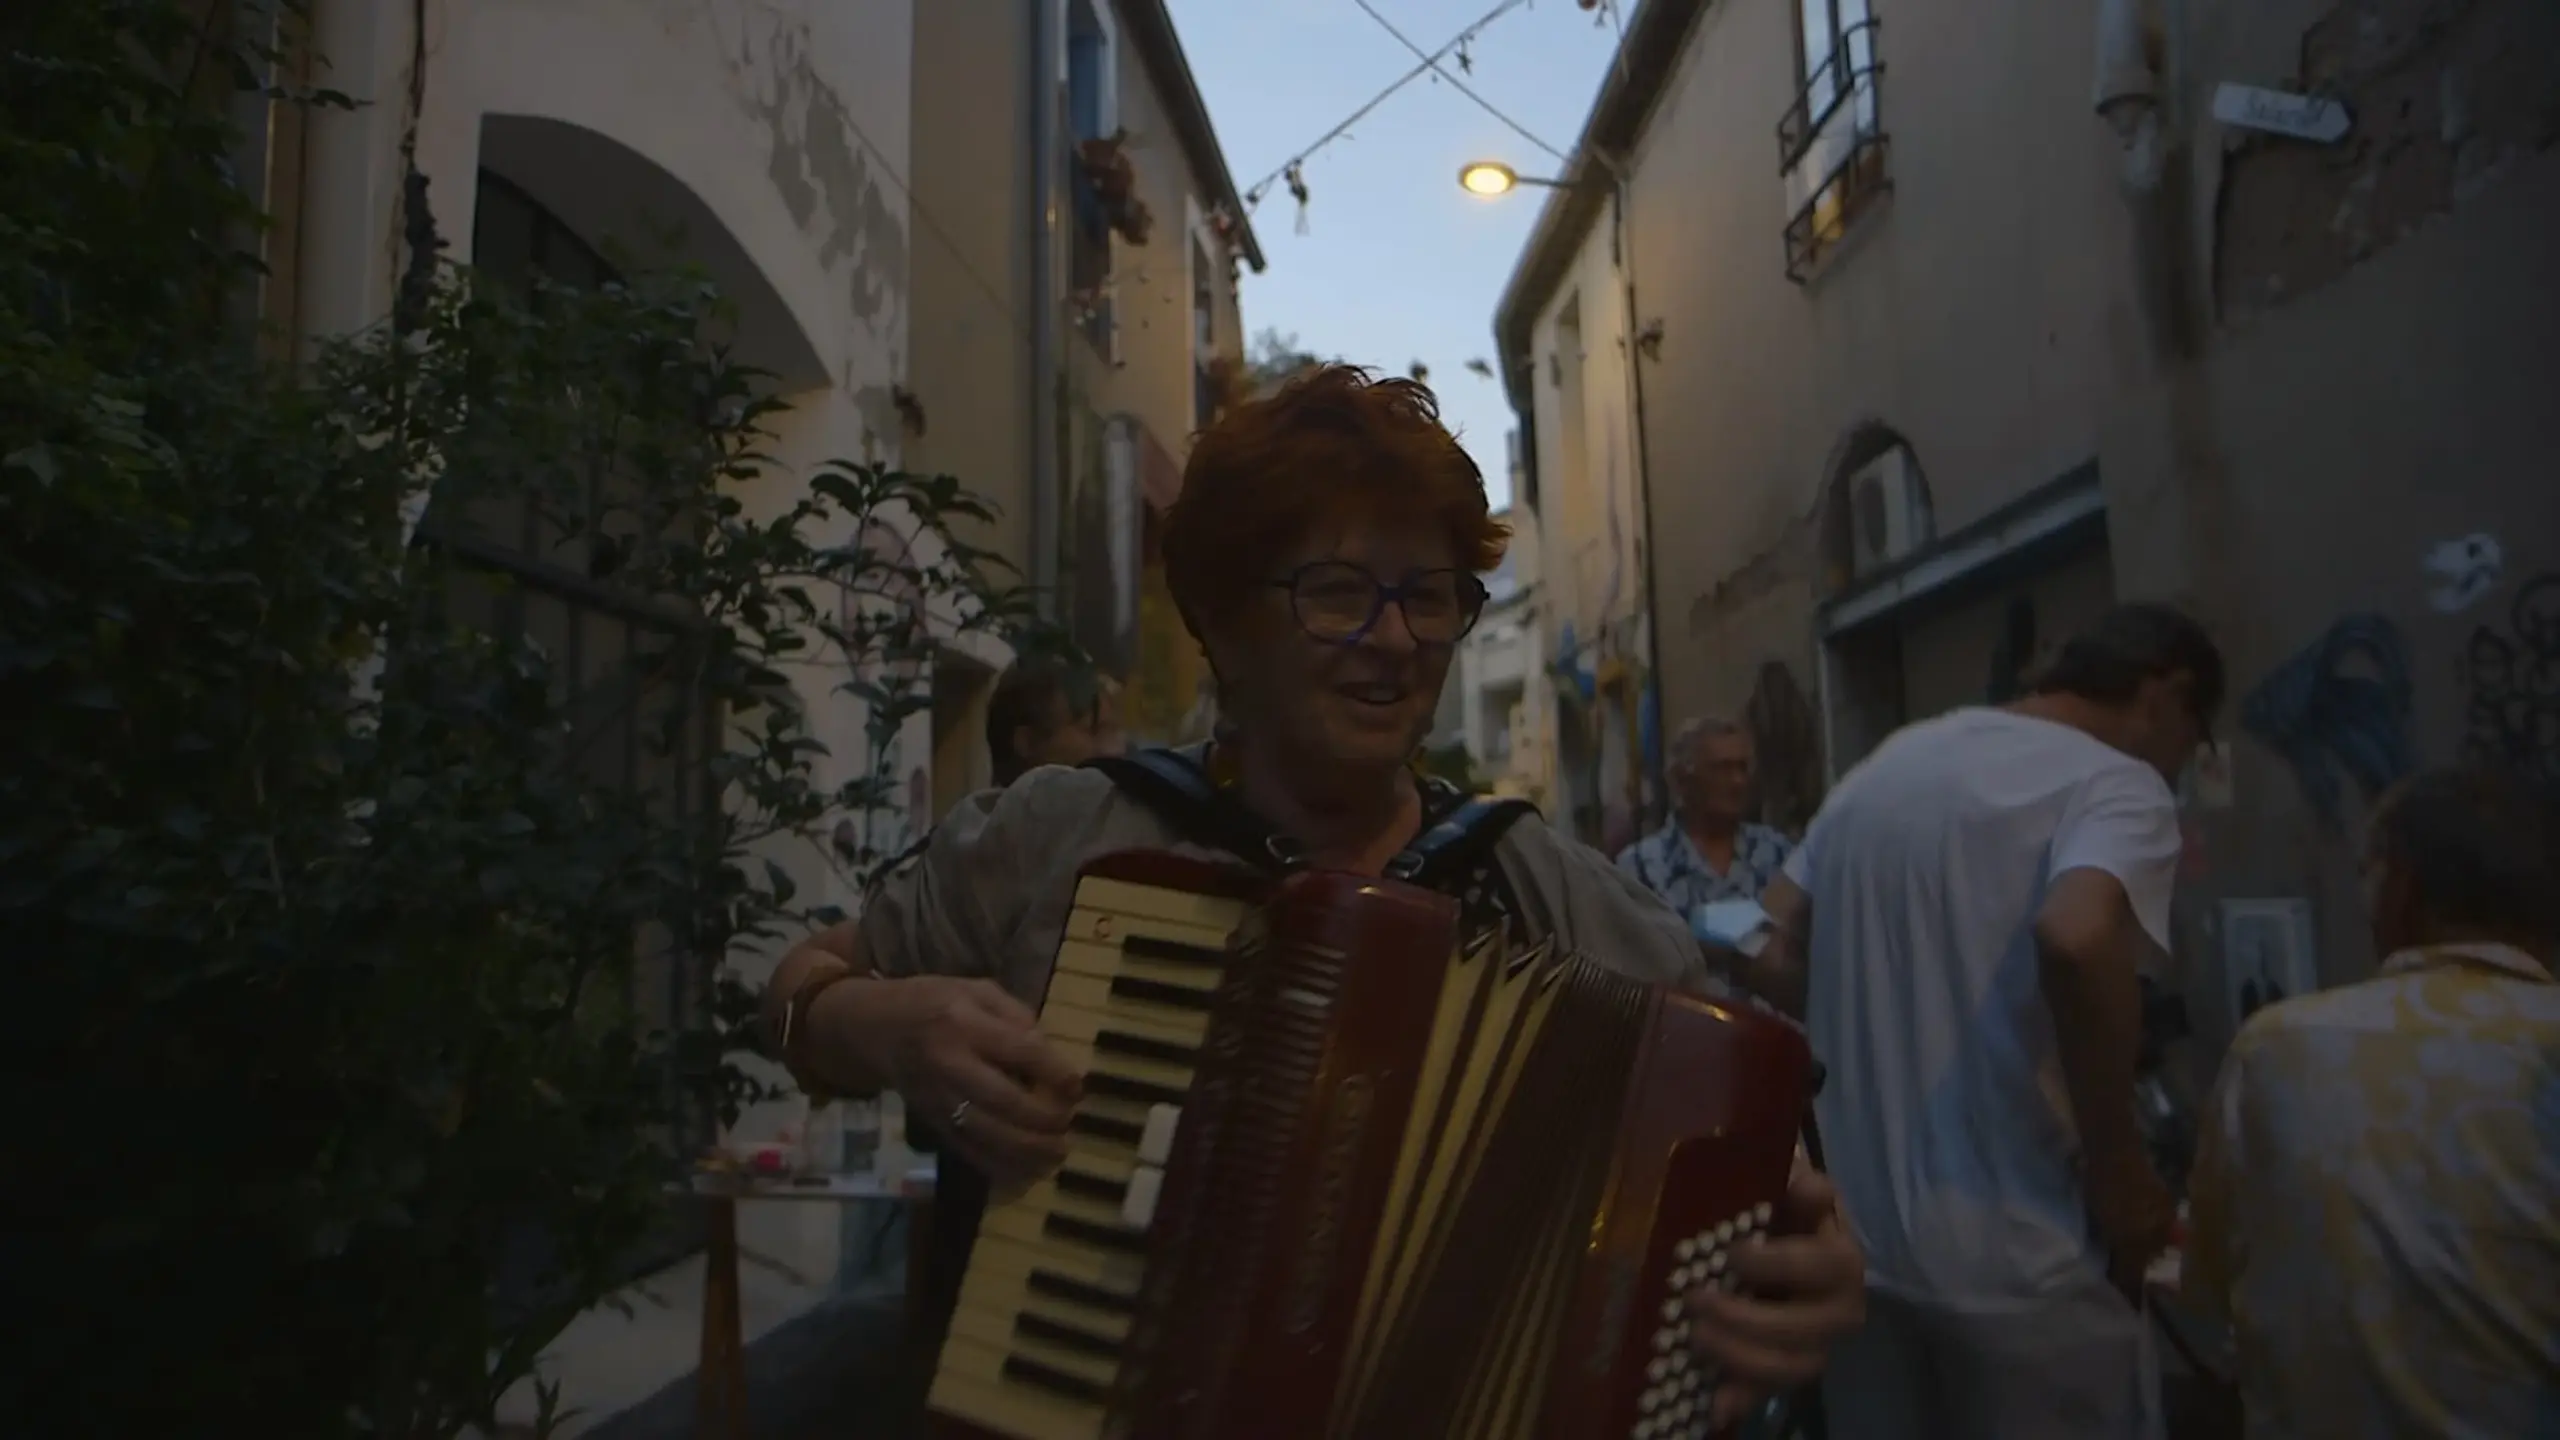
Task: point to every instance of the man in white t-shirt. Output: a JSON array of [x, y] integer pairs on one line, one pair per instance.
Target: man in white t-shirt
[[1964, 926]]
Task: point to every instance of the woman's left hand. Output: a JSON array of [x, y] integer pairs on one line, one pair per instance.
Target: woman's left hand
[[1798, 1290]]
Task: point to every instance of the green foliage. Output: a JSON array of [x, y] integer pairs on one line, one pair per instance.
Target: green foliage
[[1272, 358], [1452, 763], [361, 1008]]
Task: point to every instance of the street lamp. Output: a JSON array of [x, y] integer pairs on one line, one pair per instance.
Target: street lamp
[[1490, 178], [1493, 179]]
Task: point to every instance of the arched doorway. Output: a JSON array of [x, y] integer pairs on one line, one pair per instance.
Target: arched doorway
[[1876, 513], [1917, 620], [555, 207]]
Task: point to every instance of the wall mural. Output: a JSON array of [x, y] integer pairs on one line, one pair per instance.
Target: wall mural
[[2513, 718], [2338, 712], [1786, 741]]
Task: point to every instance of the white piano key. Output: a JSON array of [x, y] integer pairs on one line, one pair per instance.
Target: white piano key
[[1156, 1146], [1138, 1209]]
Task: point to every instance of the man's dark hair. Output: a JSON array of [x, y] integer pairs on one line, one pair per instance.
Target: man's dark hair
[[1038, 693], [2481, 846], [2108, 662]]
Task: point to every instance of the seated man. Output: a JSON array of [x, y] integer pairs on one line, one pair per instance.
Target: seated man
[[2376, 1202]]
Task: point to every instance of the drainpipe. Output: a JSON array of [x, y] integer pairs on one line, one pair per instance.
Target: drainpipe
[[1625, 244], [1046, 48]]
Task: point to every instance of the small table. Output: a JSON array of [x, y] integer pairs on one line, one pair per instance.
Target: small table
[[720, 1402]]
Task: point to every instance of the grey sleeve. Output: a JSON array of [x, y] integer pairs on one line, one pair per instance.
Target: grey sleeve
[[1590, 906], [962, 904]]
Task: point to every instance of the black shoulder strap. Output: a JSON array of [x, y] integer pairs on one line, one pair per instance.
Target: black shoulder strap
[[1459, 841], [1459, 830], [1175, 784]]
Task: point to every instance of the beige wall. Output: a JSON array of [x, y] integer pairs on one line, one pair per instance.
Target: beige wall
[[2294, 372], [971, 344], [1977, 313], [969, 354], [1148, 374]]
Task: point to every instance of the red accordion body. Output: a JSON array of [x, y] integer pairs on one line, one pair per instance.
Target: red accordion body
[[1336, 1176]]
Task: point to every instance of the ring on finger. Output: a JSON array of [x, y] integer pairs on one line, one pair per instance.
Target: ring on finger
[[958, 1119]]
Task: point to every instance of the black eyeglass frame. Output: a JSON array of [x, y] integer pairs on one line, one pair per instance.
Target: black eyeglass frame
[[1472, 597]]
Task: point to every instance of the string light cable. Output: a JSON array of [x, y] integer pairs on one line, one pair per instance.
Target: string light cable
[[1441, 71], [1289, 169]]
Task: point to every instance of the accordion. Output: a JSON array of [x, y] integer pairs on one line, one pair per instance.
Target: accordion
[[1336, 1173]]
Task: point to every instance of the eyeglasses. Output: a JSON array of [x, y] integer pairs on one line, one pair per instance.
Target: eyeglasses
[[1339, 602]]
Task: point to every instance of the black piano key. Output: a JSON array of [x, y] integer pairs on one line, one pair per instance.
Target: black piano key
[[1156, 992], [1065, 1337], [1122, 1087], [1140, 1047], [1173, 952], [1107, 1237], [1092, 1187], [1063, 1287], [1105, 1128], [1074, 1387]]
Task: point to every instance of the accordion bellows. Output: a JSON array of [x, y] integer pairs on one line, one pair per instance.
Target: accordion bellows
[[1337, 1174]]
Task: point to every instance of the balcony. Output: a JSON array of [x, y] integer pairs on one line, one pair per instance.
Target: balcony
[[1832, 150]]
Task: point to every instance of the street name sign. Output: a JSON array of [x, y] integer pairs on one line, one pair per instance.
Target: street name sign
[[2299, 117]]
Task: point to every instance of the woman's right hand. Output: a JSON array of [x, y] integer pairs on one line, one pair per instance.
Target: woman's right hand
[[971, 1062]]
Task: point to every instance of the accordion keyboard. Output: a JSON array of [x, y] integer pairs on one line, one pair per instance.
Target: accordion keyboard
[[1052, 1286]]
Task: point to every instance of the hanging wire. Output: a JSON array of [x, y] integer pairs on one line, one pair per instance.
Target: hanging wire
[[1433, 61], [1253, 193]]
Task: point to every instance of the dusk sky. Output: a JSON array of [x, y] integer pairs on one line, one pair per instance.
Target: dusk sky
[[1397, 264]]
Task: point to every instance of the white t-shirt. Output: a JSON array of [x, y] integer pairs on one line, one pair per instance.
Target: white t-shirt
[[1944, 1121]]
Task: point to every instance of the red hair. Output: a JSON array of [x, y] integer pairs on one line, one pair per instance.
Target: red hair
[[1335, 443]]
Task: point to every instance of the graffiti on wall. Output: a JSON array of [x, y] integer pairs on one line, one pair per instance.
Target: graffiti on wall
[[2338, 712], [1786, 743], [2513, 718], [2462, 572]]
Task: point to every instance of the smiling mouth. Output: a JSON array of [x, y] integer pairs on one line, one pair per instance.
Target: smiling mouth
[[1380, 695]]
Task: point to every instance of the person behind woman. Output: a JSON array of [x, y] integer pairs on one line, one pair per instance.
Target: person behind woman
[[1046, 711], [2376, 1196], [1324, 553]]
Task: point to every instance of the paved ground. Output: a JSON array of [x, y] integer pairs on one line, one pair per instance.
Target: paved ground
[[832, 1374]]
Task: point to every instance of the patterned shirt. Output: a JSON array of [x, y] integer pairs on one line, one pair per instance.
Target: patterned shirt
[[1667, 863], [2376, 1204]]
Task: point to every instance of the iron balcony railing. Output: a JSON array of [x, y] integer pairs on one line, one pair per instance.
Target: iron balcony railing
[[1848, 72], [1846, 193]]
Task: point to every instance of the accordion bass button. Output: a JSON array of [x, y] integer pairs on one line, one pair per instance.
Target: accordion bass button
[[1761, 1212], [1683, 1251]]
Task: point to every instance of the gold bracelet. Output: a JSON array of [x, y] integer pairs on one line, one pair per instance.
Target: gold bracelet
[[795, 1015]]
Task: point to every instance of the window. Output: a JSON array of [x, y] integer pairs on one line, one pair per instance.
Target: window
[[1092, 115], [1204, 336], [1204, 302], [1835, 54], [618, 657], [1831, 142]]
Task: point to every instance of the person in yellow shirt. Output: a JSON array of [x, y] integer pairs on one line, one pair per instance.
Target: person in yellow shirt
[[2376, 1200]]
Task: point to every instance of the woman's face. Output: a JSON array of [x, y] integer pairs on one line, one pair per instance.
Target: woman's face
[[1318, 667]]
